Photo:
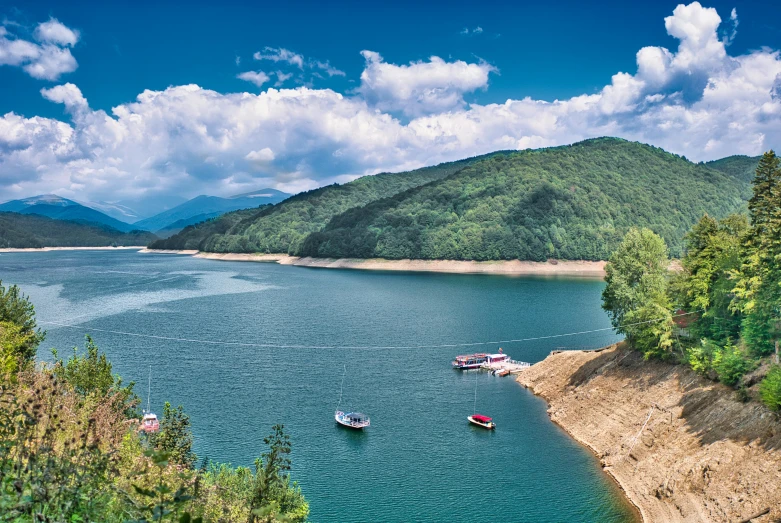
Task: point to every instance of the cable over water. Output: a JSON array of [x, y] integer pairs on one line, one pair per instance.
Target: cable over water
[[357, 347]]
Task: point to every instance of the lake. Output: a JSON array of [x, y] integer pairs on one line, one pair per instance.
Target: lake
[[284, 337]]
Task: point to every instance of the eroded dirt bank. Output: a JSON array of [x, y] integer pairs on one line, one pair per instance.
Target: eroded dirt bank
[[587, 269], [681, 447]]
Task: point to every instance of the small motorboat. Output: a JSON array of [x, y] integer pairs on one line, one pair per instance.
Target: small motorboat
[[482, 421], [503, 372], [354, 420]]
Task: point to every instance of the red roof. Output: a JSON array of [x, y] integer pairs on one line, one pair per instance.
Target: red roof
[[481, 418]]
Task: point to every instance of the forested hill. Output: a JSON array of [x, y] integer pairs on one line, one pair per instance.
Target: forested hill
[[570, 202], [21, 231], [283, 227], [738, 166]]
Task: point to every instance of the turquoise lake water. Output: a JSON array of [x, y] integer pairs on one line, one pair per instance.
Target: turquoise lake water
[[419, 460]]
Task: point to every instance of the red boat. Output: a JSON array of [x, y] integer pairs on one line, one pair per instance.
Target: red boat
[[482, 421]]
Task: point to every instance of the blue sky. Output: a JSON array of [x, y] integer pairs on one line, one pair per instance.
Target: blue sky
[[443, 109]]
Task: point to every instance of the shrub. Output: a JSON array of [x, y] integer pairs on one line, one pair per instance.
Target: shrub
[[730, 364], [770, 389]]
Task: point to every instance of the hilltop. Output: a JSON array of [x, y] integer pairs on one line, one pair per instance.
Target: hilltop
[[571, 202], [59, 208]]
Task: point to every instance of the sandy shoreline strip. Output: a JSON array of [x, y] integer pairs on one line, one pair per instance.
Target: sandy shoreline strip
[[586, 269], [47, 249]]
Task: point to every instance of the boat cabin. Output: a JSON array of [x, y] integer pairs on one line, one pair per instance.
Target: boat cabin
[[496, 358]]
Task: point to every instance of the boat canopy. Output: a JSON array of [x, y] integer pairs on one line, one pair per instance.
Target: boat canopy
[[481, 418], [357, 416]]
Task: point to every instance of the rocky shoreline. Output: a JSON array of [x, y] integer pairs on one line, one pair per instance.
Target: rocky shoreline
[[570, 268], [681, 447]]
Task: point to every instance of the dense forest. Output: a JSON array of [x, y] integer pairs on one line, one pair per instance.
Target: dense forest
[[571, 202], [283, 227], [721, 313], [739, 166], [71, 450], [22, 231]]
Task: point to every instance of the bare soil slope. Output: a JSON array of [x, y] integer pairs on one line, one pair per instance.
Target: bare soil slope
[[682, 448]]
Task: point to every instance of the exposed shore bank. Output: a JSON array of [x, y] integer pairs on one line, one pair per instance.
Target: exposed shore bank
[[586, 269], [681, 447], [46, 249]]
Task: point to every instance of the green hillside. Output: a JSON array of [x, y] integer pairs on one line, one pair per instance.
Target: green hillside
[[22, 231], [571, 202], [283, 227], [739, 166]]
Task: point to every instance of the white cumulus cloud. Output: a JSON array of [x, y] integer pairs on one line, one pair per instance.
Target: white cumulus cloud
[[48, 59], [256, 77], [696, 100], [420, 87]]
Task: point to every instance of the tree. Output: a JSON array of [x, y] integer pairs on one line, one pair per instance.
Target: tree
[[271, 492], [175, 436], [90, 374], [765, 182], [16, 308], [770, 389], [635, 296], [13, 342]]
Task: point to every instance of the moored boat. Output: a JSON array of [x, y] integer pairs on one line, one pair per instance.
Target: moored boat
[[469, 361], [482, 421], [503, 372], [354, 420], [150, 423]]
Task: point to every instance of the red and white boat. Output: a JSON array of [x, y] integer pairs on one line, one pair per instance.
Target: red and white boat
[[497, 358], [482, 421], [149, 423], [469, 361]]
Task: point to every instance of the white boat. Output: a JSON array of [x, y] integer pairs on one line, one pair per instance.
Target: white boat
[[354, 420], [149, 423], [469, 361]]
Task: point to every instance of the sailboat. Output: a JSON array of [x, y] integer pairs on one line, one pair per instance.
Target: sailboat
[[479, 419], [353, 420], [149, 423]]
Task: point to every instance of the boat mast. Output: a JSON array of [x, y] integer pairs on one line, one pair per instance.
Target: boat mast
[[474, 408], [341, 387], [149, 391]]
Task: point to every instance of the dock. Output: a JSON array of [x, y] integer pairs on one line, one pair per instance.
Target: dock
[[511, 366]]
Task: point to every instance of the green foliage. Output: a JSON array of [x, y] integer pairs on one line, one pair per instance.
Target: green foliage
[[283, 227], [89, 374], [758, 281], [635, 296], [730, 364], [712, 254], [175, 436], [23, 231], [16, 309], [14, 343], [571, 202], [770, 389]]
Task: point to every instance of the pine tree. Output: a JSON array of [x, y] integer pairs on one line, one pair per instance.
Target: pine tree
[[760, 205]]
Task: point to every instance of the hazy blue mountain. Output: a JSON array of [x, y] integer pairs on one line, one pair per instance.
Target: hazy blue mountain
[[116, 210], [58, 208], [209, 205]]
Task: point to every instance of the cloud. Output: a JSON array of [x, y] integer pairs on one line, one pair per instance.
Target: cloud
[[420, 87], [732, 32], [256, 77], [53, 32], [280, 55], [67, 94], [47, 60], [695, 100], [327, 67], [281, 78], [467, 32]]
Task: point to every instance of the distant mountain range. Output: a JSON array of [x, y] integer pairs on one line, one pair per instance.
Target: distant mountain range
[[204, 207], [124, 219], [58, 208]]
